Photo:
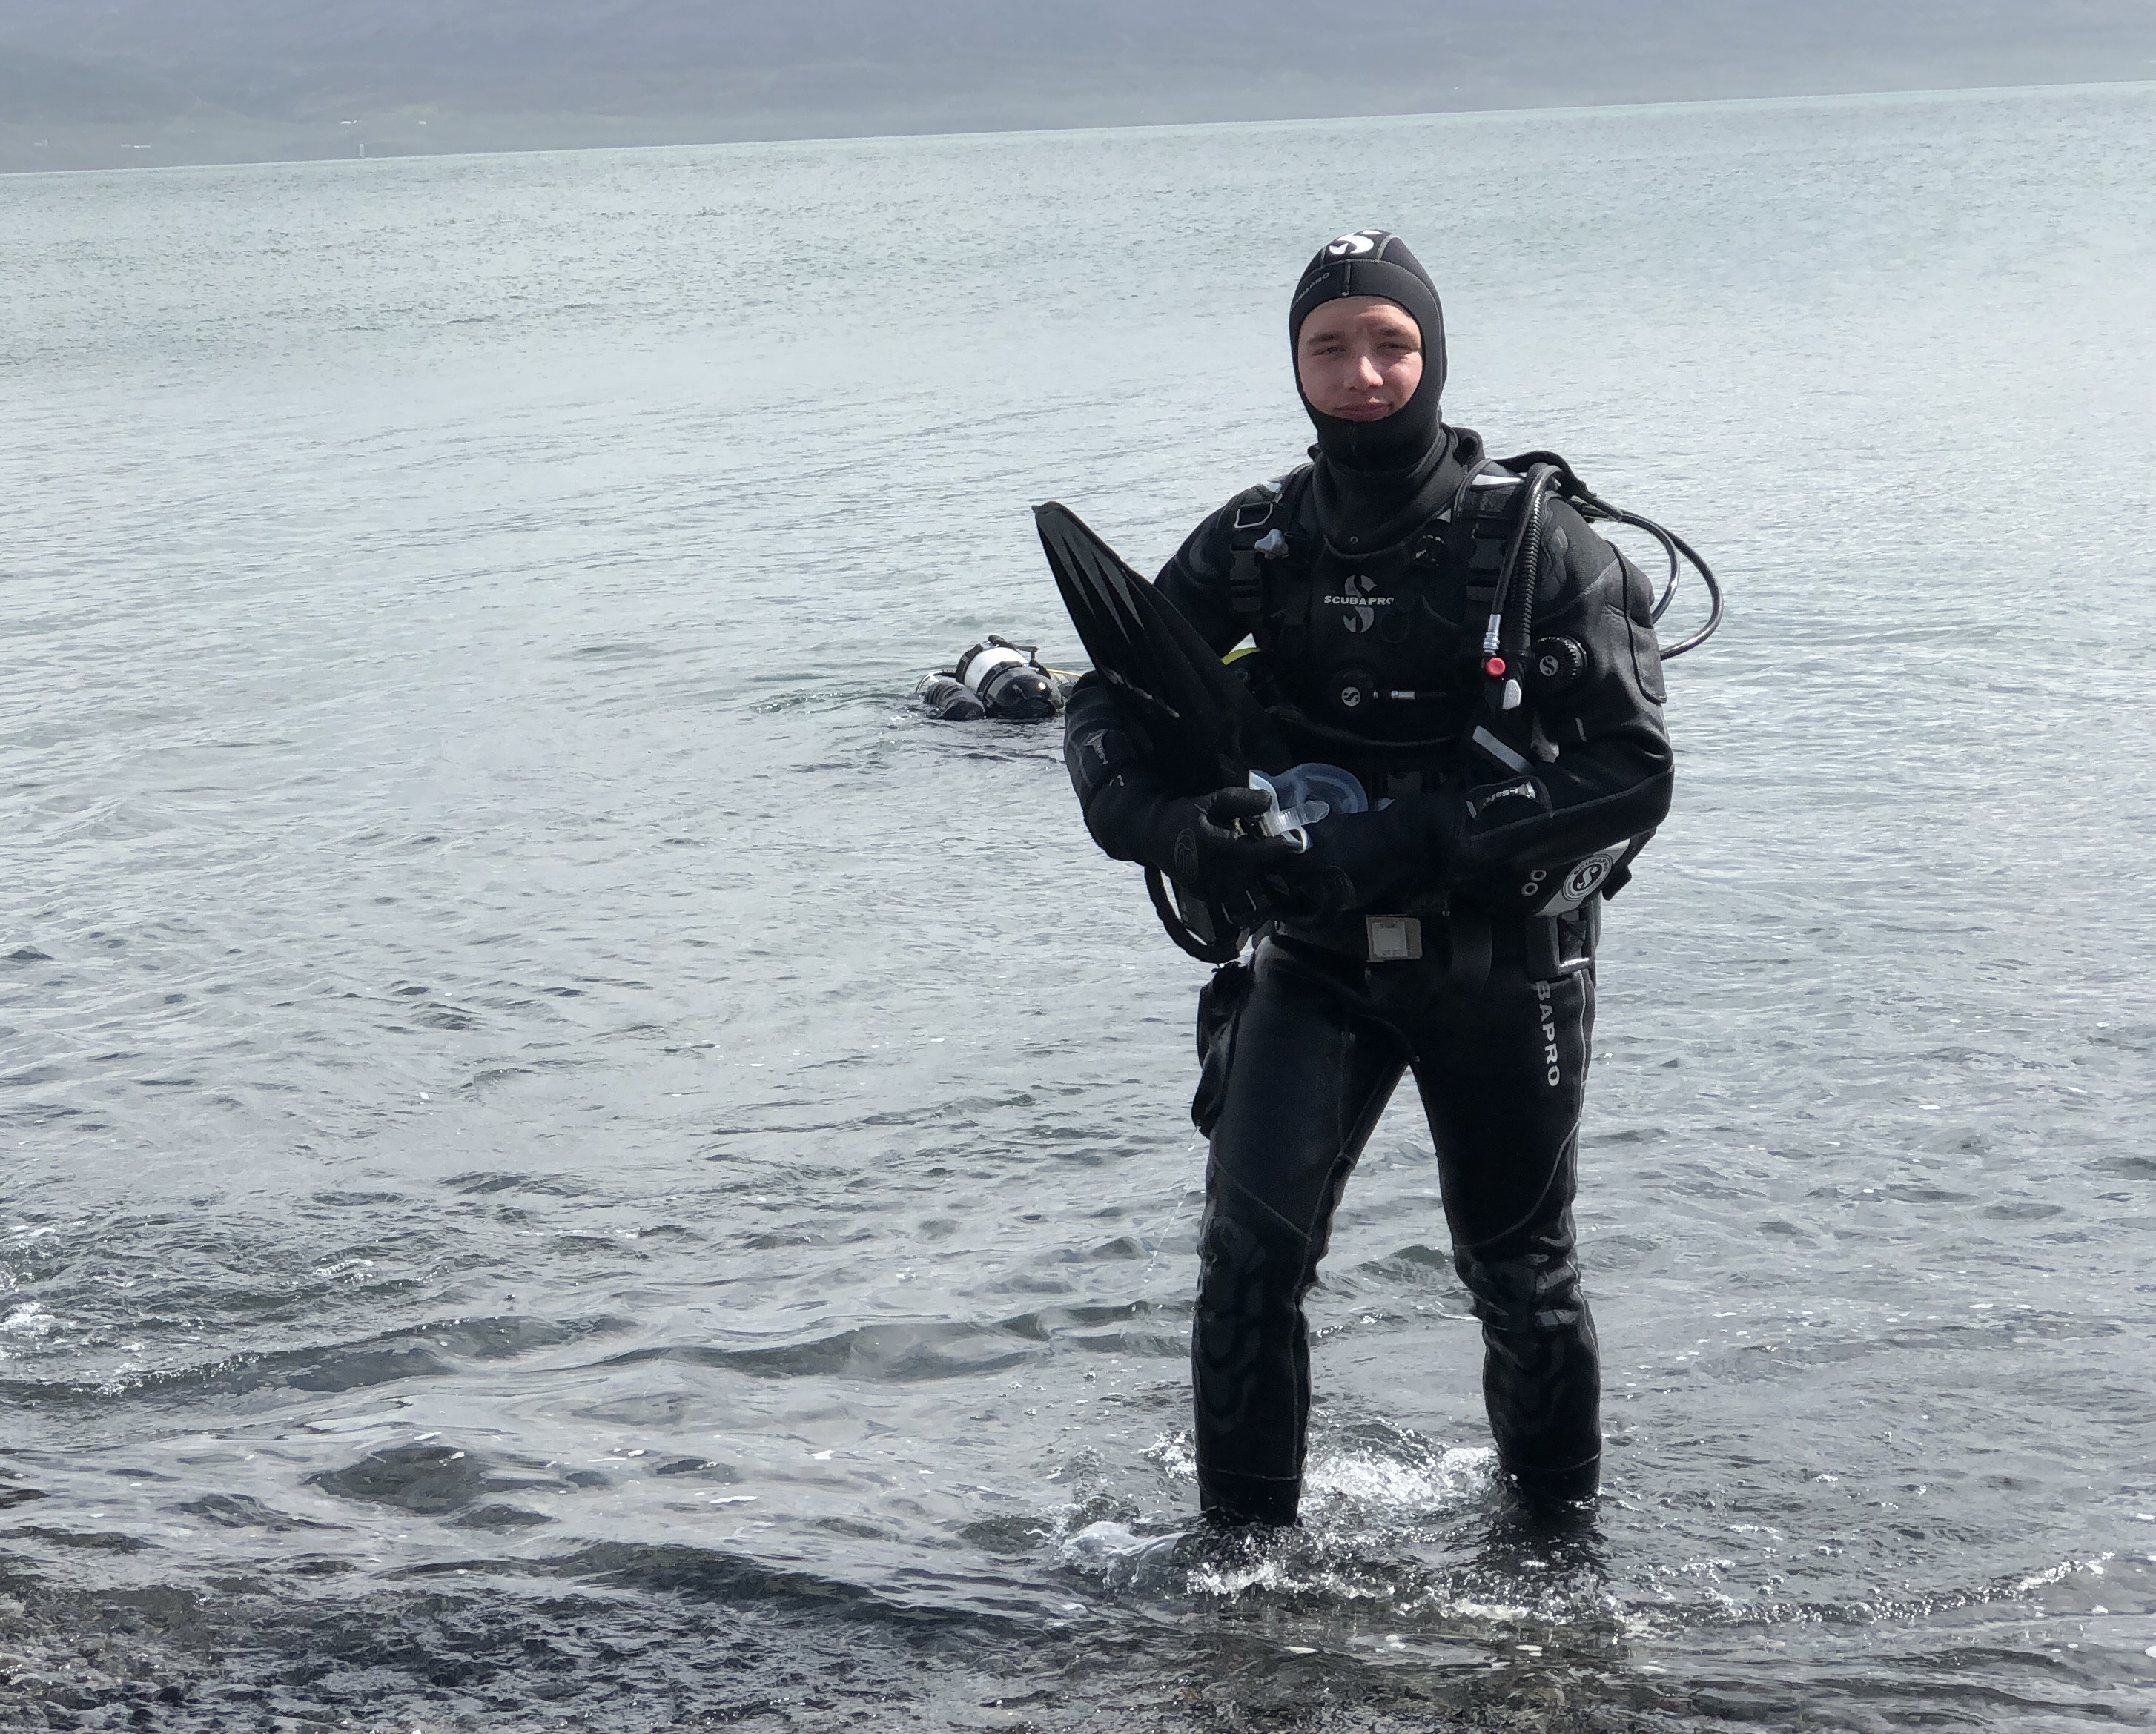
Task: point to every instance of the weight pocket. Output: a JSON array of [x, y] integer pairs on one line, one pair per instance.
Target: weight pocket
[[1220, 1005]]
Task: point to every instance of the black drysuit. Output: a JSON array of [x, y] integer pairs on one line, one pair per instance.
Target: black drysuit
[[1302, 1049]]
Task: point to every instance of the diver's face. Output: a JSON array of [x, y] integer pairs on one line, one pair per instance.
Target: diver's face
[[1359, 358]]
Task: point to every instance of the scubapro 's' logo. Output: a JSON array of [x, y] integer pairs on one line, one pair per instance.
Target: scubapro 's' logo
[[1360, 600], [1356, 245], [1586, 876]]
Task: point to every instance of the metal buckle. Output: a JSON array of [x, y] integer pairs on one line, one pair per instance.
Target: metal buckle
[[1549, 956], [1391, 939]]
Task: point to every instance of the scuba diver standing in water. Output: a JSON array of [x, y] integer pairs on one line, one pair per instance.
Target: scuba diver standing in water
[[1450, 632]]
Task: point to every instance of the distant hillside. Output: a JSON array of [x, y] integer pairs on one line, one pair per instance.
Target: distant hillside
[[721, 68]]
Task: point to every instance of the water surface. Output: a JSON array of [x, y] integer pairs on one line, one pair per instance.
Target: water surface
[[571, 1162]]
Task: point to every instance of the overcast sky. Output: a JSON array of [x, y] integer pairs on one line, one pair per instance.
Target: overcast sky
[[873, 65]]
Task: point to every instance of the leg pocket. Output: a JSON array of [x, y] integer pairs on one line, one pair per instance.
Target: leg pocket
[[1220, 1005]]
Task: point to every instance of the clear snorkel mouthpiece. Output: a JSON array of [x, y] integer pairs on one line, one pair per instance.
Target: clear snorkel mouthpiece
[[1291, 822], [1304, 794]]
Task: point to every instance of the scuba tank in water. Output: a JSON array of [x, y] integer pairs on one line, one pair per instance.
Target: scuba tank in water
[[1009, 679], [997, 679]]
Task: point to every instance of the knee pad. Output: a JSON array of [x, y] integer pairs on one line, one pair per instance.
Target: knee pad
[[1242, 1270], [1536, 1291], [1248, 1284]]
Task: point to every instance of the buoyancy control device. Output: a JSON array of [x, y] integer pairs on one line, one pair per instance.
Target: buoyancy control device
[[1352, 709]]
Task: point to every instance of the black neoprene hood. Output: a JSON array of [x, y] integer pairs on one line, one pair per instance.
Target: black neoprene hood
[[1375, 262]]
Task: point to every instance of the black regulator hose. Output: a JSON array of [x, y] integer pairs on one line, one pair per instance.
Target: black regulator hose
[[1673, 546], [1592, 506], [1540, 480], [1713, 595], [1504, 638]]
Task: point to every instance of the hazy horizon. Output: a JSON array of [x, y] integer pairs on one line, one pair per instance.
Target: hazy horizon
[[133, 81]]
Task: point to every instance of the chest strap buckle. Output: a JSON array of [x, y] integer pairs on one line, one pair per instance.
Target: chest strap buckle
[[1391, 939], [1246, 577]]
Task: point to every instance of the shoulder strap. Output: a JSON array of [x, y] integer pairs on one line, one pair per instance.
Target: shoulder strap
[[1485, 510], [1495, 513], [1260, 535]]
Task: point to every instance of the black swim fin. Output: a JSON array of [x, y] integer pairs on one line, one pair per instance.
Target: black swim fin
[[1204, 728]]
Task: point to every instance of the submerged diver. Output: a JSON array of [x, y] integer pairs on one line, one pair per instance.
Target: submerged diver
[[996, 679], [1449, 929]]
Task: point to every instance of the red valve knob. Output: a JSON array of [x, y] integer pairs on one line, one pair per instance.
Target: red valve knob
[[1494, 668]]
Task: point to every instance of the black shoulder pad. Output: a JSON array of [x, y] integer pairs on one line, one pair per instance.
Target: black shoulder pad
[[1568, 482], [1266, 494]]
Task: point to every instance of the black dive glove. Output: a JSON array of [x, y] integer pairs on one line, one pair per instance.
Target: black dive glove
[[1194, 841], [1358, 860]]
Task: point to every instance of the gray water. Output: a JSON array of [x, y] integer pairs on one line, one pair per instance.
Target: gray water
[[571, 1162]]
